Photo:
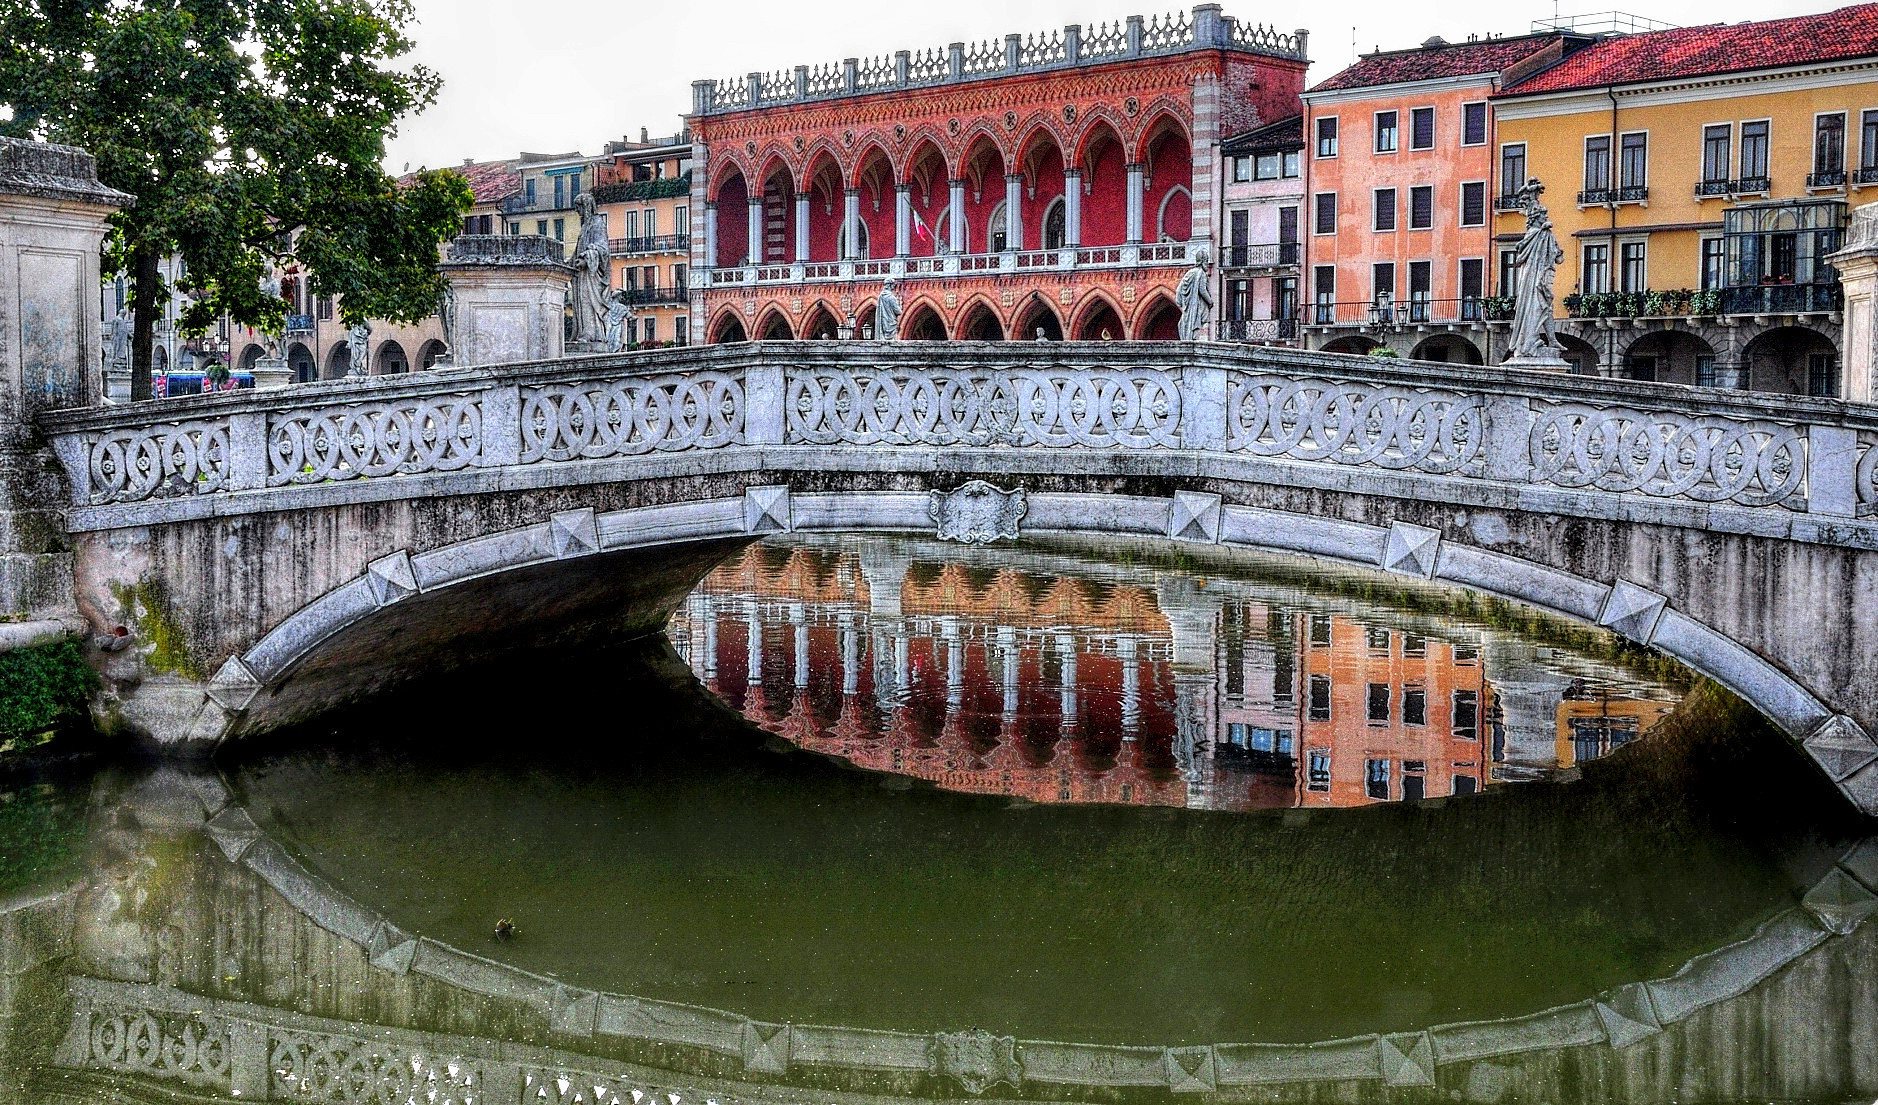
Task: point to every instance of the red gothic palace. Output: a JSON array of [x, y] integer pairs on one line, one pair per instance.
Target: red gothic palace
[[1047, 185]]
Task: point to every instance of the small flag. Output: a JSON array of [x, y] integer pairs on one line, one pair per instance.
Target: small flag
[[920, 228]]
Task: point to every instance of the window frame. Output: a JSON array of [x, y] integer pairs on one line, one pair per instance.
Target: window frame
[[1376, 131], [1317, 137], [1484, 205], [1486, 123], [1376, 209], [1434, 127], [1511, 188], [1767, 150], [1584, 267], [1317, 214], [1728, 151], [1427, 191], [1620, 168], [1371, 700], [1845, 120], [1868, 138], [1584, 163], [1622, 264]]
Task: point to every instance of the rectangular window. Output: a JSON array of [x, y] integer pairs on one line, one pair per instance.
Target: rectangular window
[[1240, 229], [1324, 298], [1378, 702], [1717, 141], [1414, 706], [325, 308], [541, 228], [1382, 283], [1377, 639], [1266, 167], [1632, 273], [1317, 776], [1465, 654], [1414, 645], [681, 330], [1466, 719], [1829, 145], [1421, 290], [1597, 269], [1473, 286], [1422, 128], [1287, 235], [1385, 209], [528, 191], [560, 192], [1634, 163], [1320, 630], [1282, 742], [1376, 779], [1868, 140], [652, 331], [681, 277], [1465, 784], [1713, 257], [1512, 168], [1421, 207], [1822, 374], [515, 229], [1327, 137], [1294, 165], [681, 220], [1754, 153], [1704, 371], [629, 226], [1320, 698], [1509, 271], [1474, 203], [1642, 368], [1241, 169], [1385, 131], [1324, 212], [560, 228], [1474, 124], [1598, 163]]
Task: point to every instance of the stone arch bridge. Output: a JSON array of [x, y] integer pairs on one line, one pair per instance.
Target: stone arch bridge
[[276, 553]]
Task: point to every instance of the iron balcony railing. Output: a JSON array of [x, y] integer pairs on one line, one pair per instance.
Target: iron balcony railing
[[520, 204], [655, 296], [1782, 299], [1751, 185], [1635, 193], [1866, 175], [1506, 203], [663, 243], [1413, 311], [1831, 178], [298, 324], [1262, 256], [1258, 329], [1714, 187]]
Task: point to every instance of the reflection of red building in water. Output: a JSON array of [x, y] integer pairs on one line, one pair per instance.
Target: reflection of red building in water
[[1054, 183], [1057, 688]]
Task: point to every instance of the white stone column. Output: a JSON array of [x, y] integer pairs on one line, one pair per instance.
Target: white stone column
[[708, 619], [802, 228], [1014, 212], [1072, 208], [851, 221], [902, 220], [1008, 653], [1858, 276], [753, 629], [710, 235], [1066, 657], [1135, 191], [955, 218], [1126, 648], [955, 661], [850, 656], [756, 251], [798, 617]]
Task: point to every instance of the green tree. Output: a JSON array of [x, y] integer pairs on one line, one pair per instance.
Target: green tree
[[252, 133]]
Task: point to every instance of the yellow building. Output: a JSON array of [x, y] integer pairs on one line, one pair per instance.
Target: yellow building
[[644, 193], [1697, 179], [545, 202]]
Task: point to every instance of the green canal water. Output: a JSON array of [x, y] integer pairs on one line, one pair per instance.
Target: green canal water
[[819, 803]]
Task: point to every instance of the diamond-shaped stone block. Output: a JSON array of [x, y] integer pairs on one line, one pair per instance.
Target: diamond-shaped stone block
[[234, 832], [1411, 550], [1633, 611], [1862, 862], [1862, 788], [234, 686], [575, 533], [765, 1048], [391, 949], [575, 1011], [391, 578], [1841, 746], [1839, 903], [1407, 1060], [1190, 1069], [766, 510], [1194, 517], [1628, 1015]]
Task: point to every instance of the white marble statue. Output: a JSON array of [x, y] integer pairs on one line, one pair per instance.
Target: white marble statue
[[887, 313], [1194, 297], [359, 346], [1534, 339], [593, 275], [617, 312], [446, 314], [120, 338]]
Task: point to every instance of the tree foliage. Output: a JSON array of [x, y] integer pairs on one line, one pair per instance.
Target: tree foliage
[[252, 134]]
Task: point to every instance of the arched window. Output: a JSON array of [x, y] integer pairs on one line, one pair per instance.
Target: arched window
[[995, 232], [1055, 225]]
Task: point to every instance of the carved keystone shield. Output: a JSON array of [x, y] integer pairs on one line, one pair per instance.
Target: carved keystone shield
[[978, 513], [978, 1059]]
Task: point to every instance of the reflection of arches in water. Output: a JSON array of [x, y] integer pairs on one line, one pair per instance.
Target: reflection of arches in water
[[1160, 321], [1451, 348], [390, 360], [981, 324], [923, 323]]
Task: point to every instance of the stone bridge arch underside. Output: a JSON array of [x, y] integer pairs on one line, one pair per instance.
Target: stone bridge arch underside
[[384, 591], [279, 555]]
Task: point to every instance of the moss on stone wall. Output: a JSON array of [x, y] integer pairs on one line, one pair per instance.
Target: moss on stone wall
[[147, 606], [41, 690]]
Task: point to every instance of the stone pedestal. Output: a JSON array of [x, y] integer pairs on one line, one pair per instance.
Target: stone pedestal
[[511, 298], [117, 384], [52, 219], [272, 372], [1858, 276], [1553, 363]]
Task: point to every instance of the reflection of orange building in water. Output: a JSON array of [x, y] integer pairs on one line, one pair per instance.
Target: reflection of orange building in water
[[1059, 688]]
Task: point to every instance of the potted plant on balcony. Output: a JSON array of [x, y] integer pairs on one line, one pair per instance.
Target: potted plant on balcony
[[1574, 305], [1496, 308], [1705, 302]]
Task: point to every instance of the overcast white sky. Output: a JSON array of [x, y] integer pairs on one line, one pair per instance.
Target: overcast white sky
[[552, 76]]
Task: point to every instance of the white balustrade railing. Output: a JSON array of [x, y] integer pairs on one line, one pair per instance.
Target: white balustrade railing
[[1656, 442]]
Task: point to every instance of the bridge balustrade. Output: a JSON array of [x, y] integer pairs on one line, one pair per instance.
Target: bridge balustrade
[[1300, 410]]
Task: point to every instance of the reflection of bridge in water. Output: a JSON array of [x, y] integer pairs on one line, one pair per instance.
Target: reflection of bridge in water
[[1062, 678], [200, 962]]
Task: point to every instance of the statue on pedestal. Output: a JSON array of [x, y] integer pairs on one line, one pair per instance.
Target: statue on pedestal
[[1534, 340], [617, 312], [446, 314], [359, 350], [593, 275], [1194, 297], [120, 338], [887, 313]]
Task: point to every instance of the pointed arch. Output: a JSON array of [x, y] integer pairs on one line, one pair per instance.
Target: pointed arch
[[1096, 313], [730, 195], [863, 315], [1158, 120], [927, 175], [774, 159], [1157, 318], [1102, 156], [820, 323], [923, 322], [728, 165], [978, 319], [868, 151], [822, 182], [1174, 221], [1099, 126], [773, 325], [923, 146], [727, 326], [1036, 313], [981, 148], [1040, 139], [776, 185]]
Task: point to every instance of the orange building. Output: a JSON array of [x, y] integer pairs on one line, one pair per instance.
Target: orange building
[[1057, 184], [1400, 159]]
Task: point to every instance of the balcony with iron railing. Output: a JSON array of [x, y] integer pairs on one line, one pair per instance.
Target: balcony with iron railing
[[1741, 186], [1506, 203], [1414, 311], [1068, 259], [1828, 178], [1607, 308], [664, 243], [1268, 255], [299, 324], [1258, 329], [1597, 197], [655, 297]]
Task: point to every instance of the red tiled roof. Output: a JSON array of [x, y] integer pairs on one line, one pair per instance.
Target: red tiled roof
[[1425, 63], [490, 181], [1717, 48]]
